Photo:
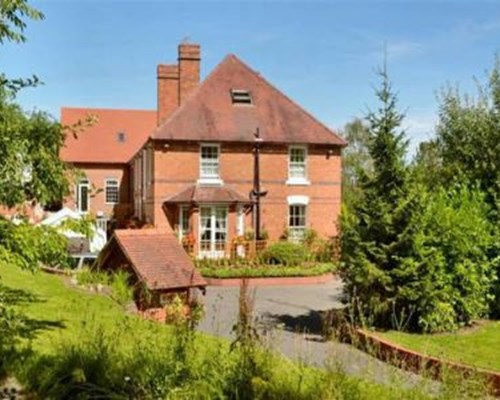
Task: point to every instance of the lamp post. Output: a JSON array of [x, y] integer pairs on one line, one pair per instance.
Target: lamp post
[[256, 192]]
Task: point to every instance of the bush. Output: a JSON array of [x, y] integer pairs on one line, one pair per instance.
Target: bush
[[285, 253], [266, 271], [440, 277], [30, 246], [121, 291]]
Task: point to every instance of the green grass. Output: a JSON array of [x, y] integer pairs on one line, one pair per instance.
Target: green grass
[[266, 271], [64, 314], [478, 346], [59, 310]]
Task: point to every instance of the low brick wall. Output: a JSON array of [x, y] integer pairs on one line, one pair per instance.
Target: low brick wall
[[422, 364], [273, 281]]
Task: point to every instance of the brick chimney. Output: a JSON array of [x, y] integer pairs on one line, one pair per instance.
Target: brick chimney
[[189, 69], [167, 91]]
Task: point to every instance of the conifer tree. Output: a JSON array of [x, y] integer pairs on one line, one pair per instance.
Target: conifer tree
[[374, 231]]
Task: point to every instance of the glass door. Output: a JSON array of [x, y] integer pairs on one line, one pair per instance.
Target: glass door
[[213, 231], [82, 196]]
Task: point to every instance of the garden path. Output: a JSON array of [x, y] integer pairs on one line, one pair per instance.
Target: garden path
[[290, 317]]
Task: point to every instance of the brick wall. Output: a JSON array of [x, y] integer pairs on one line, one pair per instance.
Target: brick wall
[[177, 167], [97, 175]]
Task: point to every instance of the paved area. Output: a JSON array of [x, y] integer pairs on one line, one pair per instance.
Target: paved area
[[290, 316]]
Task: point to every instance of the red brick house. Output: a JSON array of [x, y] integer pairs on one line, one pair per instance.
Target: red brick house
[[189, 165], [103, 152]]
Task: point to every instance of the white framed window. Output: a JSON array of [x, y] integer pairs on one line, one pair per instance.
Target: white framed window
[[209, 163], [183, 221], [82, 196], [213, 231], [112, 190], [297, 165], [240, 221], [297, 219]]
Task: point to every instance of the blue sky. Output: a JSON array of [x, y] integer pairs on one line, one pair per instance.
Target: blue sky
[[323, 54]]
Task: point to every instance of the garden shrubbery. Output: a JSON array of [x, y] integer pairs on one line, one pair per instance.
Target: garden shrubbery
[[122, 364], [30, 246], [285, 253]]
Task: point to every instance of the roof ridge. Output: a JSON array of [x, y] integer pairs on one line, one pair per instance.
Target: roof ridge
[[108, 109]]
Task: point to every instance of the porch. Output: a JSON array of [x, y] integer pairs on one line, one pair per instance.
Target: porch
[[213, 222]]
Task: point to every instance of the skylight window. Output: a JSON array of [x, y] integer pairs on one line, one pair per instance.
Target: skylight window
[[241, 96], [121, 137]]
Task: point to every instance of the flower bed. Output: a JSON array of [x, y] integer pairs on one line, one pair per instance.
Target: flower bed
[[215, 270]]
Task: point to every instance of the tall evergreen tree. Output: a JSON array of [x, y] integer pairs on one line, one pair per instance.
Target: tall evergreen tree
[[374, 231]]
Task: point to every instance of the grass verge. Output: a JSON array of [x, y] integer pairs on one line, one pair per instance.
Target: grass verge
[[476, 346]]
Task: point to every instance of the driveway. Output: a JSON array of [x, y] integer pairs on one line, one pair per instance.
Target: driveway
[[290, 315]]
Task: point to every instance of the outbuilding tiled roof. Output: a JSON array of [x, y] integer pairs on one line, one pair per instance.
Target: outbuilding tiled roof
[[114, 138], [208, 194], [210, 115], [158, 258]]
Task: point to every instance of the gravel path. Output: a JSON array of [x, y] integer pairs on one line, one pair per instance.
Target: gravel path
[[290, 314]]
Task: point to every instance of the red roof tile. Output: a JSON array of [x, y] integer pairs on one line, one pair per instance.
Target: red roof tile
[[100, 143], [208, 194], [209, 115], [158, 258]]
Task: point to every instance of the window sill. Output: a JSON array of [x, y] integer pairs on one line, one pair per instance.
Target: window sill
[[298, 182], [210, 181]]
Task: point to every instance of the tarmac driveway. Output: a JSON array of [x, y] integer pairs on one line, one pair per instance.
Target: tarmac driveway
[[290, 315]]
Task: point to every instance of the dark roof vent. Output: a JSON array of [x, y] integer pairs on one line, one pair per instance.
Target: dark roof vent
[[240, 96], [120, 137]]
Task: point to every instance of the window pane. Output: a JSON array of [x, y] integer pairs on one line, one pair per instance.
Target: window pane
[[84, 198], [112, 194], [297, 222], [297, 162], [210, 161]]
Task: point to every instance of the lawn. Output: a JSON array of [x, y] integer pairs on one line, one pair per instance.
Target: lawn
[[60, 312], [57, 310], [478, 345]]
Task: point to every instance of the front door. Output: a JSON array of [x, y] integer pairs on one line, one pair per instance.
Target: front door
[[213, 231]]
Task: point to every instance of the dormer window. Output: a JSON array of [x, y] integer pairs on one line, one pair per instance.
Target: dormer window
[[241, 96], [120, 136]]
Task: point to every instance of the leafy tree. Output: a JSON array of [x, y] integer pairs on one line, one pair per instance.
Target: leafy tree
[[468, 145], [427, 166], [416, 255], [356, 159], [30, 172], [468, 137]]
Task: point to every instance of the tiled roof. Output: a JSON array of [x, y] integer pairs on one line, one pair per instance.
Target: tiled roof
[[210, 115], [158, 258], [100, 143], [208, 194]]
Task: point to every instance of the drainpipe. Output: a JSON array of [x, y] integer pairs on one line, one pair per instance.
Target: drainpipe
[[256, 182]]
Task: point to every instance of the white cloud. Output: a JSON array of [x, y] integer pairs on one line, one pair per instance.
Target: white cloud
[[420, 127]]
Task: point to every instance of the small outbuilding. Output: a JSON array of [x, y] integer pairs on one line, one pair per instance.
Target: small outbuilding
[[158, 264]]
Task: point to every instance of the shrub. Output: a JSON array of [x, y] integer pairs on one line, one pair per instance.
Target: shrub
[[285, 253], [438, 276], [121, 291], [89, 277], [30, 246]]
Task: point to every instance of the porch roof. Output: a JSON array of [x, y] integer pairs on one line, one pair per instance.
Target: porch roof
[[156, 257], [209, 194]]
